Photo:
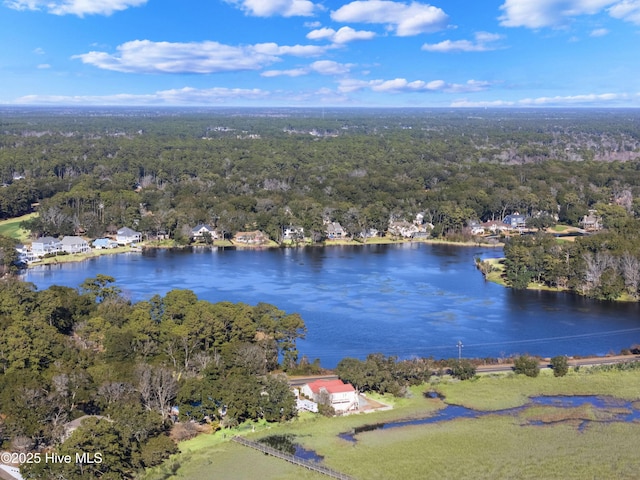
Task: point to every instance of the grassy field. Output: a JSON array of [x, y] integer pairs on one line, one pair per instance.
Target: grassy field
[[11, 227], [493, 446]]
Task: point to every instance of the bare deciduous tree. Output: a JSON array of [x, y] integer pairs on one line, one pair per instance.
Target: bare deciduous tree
[[157, 387], [595, 267], [630, 266], [112, 392]]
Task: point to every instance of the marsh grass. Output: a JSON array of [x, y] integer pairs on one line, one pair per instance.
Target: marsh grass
[[509, 391], [493, 446]]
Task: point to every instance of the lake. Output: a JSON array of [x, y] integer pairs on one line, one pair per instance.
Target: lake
[[411, 299]]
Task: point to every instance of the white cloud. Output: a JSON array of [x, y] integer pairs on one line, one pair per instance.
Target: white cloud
[[558, 101], [75, 7], [406, 19], [329, 67], [349, 85], [324, 33], [44, 66], [323, 67], [295, 72], [293, 50], [402, 85], [573, 99], [272, 8], [145, 56], [481, 104], [343, 35], [183, 96], [484, 42], [39, 51], [599, 32], [628, 10], [555, 13]]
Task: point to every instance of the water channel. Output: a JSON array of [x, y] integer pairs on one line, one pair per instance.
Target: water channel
[[602, 409], [407, 299]]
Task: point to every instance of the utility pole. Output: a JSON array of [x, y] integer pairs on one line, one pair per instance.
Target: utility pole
[[459, 345]]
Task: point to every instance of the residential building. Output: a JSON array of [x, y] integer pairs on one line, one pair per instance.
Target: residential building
[[25, 255], [515, 220], [200, 231], [334, 231], [44, 245], [341, 396], [293, 233], [403, 229], [125, 236], [251, 238], [102, 243], [72, 244], [495, 226], [591, 222]]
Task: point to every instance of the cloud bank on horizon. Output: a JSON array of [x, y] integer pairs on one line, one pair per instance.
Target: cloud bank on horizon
[[496, 53]]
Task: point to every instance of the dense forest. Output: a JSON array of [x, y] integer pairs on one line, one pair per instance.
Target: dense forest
[[119, 369], [167, 171]]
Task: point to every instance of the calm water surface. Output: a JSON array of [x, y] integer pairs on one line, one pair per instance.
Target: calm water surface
[[405, 300]]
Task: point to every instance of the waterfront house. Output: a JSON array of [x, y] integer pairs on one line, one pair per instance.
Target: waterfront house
[[200, 231], [73, 244], [251, 238], [341, 396], [334, 231], [403, 229], [515, 220], [25, 255], [293, 233], [102, 243], [125, 236], [495, 226], [44, 245]]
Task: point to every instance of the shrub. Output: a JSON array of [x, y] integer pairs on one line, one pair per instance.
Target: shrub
[[527, 366], [462, 369], [560, 366]]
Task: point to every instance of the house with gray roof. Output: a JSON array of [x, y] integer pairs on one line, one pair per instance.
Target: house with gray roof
[[44, 245], [126, 235], [73, 244], [200, 231]]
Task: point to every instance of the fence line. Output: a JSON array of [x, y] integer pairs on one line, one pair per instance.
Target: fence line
[[292, 459]]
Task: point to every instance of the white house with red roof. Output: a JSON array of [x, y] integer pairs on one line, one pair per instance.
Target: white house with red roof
[[342, 396]]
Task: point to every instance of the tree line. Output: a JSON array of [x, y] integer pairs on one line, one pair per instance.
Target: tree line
[[166, 172]]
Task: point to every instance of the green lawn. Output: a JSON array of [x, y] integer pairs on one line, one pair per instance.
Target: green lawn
[[489, 447], [11, 227]]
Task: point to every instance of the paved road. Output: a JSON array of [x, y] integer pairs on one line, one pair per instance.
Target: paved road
[[506, 367]]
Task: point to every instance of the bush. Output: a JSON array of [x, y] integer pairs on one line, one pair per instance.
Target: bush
[[462, 369], [560, 366], [527, 366]]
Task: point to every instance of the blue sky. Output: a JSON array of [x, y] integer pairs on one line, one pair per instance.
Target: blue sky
[[449, 53]]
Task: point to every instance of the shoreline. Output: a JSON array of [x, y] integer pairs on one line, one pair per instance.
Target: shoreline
[[94, 253], [497, 272]]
